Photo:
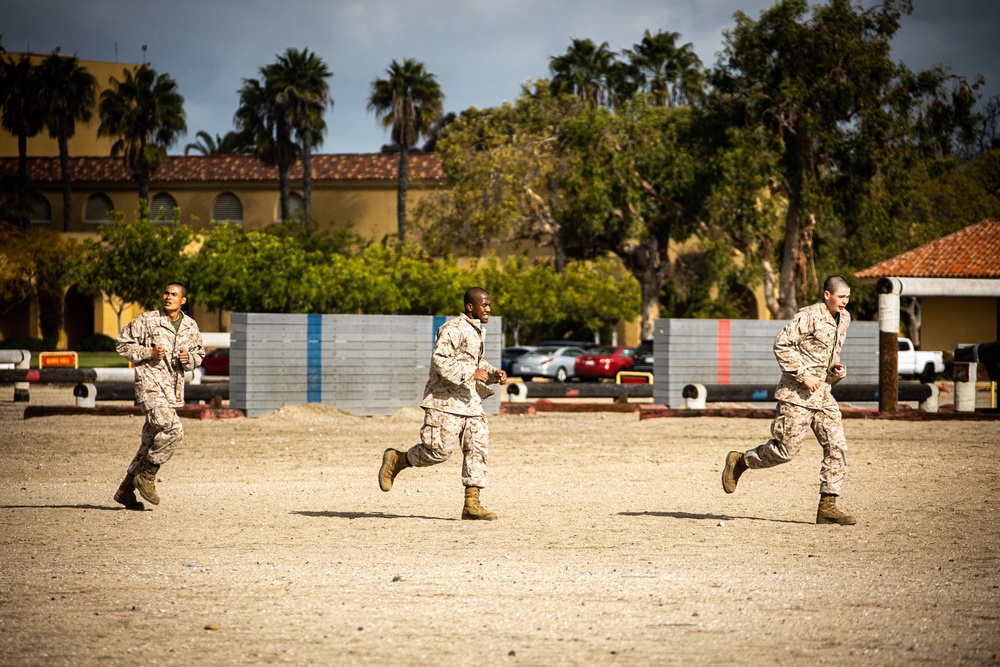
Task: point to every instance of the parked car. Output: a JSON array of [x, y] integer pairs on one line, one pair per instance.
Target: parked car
[[509, 354], [642, 360], [216, 362], [915, 363], [582, 344], [603, 362], [551, 362]]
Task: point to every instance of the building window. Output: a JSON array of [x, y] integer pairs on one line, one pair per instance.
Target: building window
[[161, 209], [98, 209], [296, 205], [227, 208], [41, 211]]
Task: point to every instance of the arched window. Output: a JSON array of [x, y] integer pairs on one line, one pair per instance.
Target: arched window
[[296, 204], [98, 210], [41, 211], [227, 208], [161, 209]]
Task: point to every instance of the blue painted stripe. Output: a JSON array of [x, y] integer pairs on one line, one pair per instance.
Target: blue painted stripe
[[314, 359], [435, 325]]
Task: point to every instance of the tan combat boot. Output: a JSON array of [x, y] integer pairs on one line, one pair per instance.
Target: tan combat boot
[[125, 495], [828, 512], [735, 466], [145, 482], [393, 462], [473, 510]]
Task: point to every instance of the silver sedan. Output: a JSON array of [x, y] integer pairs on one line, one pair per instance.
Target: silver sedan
[[551, 362]]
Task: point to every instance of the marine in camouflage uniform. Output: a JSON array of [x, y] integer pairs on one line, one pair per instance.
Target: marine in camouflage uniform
[[453, 405], [162, 344], [808, 352]]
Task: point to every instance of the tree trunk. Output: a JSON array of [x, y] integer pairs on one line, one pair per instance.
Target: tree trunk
[[787, 301], [307, 177], [557, 245], [67, 180], [144, 187], [770, 298], [283, 190], [404, 180]]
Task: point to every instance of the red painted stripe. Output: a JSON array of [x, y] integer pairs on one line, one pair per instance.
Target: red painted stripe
[[723, 357], [32, 376]]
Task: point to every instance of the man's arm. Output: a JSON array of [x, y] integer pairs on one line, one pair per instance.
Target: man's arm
[[132, 342], [446, 359]]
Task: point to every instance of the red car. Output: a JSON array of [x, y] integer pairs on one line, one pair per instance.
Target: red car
[[216, 362], [603, 362]]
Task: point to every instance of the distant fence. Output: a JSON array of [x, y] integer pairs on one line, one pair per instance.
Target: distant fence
[[362, 364], [740, 352]]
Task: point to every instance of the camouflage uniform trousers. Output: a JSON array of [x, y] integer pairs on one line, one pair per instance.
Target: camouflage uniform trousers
[[440, 436], [789, 431], [161, 434]]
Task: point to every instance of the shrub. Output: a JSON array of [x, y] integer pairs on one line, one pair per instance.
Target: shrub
[[28, 343], [96, 343]]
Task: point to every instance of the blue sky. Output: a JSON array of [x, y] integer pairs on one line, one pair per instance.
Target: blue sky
[[481, 51]]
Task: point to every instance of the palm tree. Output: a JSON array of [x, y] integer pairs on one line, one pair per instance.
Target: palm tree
[[257, 120], [146, 114], [68, 95], [232, 143], [301, 94], [407, 102], [20, 113], [671, 74], [583, 70]]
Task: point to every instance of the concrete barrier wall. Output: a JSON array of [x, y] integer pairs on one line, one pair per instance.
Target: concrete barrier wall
[[724, 352], [362, 364]]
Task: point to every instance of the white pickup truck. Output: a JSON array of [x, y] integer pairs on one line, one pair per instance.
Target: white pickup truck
[[916, 363]]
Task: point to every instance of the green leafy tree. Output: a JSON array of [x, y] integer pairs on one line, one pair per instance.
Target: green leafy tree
[[632, 181], [502, 165], [839, 115], [407, 102], [68, 95], [144, 113], [39, 264], [525, 295], [600, 292], [131, 261]]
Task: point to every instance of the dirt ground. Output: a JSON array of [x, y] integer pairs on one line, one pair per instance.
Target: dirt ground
[[615, 546]]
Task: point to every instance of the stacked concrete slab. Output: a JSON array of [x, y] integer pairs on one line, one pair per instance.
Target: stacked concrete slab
[[362, 364], [740, 352]]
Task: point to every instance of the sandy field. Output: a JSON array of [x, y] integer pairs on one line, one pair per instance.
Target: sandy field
[[615, 546]]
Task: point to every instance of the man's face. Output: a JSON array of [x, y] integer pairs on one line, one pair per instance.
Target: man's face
[[480, 309], [173, 299], [837, 301]]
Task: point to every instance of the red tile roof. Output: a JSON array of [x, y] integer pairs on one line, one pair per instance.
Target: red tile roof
[[230, 168], [973, 252]]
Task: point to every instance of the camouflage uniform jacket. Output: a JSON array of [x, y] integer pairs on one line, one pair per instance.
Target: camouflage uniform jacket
[[164, 377], [458, 352], [808, 346]]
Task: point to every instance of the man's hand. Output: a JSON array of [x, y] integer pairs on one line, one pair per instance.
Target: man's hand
[[502, 377], [183, 356], [812, 384], [157, 352], [480, 375], [838, 370]]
